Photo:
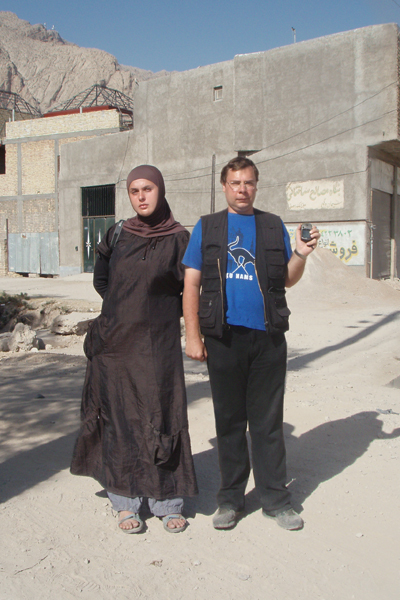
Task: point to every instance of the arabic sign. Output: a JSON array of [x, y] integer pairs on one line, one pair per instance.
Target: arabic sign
[[324, 193], [346, 241]]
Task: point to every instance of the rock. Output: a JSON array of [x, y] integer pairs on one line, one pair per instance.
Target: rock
[[39, 344], [22, 338], [4, 340], [72, 324], [157, 563]]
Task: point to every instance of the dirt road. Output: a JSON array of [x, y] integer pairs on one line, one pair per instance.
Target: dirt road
[[342, 428]]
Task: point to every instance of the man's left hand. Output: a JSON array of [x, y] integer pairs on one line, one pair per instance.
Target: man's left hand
[[305, 248]]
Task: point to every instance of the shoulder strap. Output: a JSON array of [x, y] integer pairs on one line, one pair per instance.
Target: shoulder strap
[[116, 234]]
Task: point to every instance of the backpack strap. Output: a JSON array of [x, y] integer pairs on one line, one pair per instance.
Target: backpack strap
[[116, 234]]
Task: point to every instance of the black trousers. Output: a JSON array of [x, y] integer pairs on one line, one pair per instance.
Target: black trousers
[[247, 371]]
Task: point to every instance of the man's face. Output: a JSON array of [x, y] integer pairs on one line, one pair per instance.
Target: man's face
[[240, 191]]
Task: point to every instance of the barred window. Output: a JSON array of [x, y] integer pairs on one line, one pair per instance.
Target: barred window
[[98, 201]]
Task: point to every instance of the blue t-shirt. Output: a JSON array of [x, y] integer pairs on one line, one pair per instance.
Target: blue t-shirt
[[245, 304]]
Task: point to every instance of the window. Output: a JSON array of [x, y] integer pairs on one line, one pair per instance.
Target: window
[[218, 93], [2, 159], [98, 201]]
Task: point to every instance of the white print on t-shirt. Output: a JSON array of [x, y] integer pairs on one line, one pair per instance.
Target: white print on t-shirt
[[242, 257]]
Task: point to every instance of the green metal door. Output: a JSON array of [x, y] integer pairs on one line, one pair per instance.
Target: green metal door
[[93, 230]]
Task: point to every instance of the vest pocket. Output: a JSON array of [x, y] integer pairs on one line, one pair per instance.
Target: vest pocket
[[276, 264], [208, 308], [278, 311], [210, 278]]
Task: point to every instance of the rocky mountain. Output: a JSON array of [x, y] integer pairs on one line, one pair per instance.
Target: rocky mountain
[[46, 70]]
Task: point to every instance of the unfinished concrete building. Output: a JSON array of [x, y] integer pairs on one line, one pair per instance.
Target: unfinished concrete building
[[29, 215], [320, 119]]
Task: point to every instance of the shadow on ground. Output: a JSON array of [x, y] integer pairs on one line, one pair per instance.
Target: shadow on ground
[[314, 457], [39, 415]]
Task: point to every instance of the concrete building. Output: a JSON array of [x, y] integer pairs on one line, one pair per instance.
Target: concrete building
[[29, 212], [319, 118]]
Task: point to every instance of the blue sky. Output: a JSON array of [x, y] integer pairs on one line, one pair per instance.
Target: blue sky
[[179, 35]]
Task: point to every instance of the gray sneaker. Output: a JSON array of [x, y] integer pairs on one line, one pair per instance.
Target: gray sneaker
[[225, 518], [288, 519]]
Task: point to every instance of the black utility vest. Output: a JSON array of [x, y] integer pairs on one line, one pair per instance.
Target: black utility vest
[[270, 268]]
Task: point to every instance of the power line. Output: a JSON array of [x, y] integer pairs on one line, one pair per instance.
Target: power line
[[330, 118], [327, 138], [174, 178], [297, 149], [272, 185], [273, 157]]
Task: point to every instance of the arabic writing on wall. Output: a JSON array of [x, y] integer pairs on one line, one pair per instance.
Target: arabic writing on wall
[[315, 194], [346, 241]]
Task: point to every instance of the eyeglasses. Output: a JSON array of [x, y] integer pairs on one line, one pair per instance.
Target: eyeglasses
[[236, 185]]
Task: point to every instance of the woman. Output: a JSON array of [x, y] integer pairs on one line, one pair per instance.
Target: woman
[[134, 437]]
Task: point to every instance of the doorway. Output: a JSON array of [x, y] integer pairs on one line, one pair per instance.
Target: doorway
[[382, 225], [98, 214]]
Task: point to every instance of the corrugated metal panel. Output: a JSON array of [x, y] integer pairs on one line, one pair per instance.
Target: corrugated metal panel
[[49, 259], [33, 253]]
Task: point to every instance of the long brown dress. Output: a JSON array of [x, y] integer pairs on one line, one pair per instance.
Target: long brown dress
[[134, 437]]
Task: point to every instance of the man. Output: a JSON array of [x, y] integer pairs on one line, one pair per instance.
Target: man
[[238, 263]]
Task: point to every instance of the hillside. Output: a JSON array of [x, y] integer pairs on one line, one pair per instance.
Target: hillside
[[46, 70]]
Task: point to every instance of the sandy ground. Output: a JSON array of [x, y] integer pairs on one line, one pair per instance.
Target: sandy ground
[[342, 425]]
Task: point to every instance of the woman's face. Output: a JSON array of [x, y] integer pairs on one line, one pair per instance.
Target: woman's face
[[143, 195]]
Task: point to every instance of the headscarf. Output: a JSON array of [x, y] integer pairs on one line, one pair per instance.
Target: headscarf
[[162, 221]]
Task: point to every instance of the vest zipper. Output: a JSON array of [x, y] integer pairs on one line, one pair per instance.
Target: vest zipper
[[222, 294], [262, 295]]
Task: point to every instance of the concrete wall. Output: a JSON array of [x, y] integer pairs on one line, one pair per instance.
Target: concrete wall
[[84, 164], [319, 105], [309, 111]]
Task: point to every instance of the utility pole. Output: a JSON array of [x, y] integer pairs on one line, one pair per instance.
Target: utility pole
[[212, 207]]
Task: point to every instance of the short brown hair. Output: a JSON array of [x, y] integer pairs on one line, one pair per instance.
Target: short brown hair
[[237, 164]]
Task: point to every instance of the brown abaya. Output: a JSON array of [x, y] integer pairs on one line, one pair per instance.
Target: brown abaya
[[134, 437]]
